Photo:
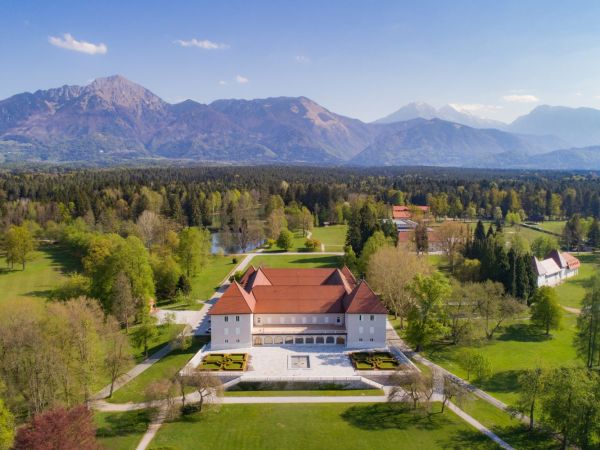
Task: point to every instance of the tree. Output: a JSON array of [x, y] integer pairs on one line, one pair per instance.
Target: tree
[[543, 245], [421, 238], [594, 234], [76, 285], [587, 339], [425, 320], [167, 274], [123, 304], [206, 385], [573, 233], [276, 221], [531, 383], [285, 240], [389, 272], [475, 363], [494, 307], [452, 389], [453, 238], [7, 427], [65, 429], [571, 403], [193, 250], [373, 244], [546, 313], [461, 312], [411, 385], [145, 332], [18, 245], [118, 356], [149, 225]]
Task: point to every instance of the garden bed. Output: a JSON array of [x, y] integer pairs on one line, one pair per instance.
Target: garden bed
[[374, 361], [225, 362]]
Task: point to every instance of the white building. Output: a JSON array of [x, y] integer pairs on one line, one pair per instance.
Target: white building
[[555, 268], [298, 307]]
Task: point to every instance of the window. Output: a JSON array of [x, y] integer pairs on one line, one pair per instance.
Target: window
[[360, 317], [372, 318], [371, 330], [227, 341], [340, 340], [339, 319], [226, 318], [360, 330], [371, 339], [268, 340], [320, 340], [225, 331], [310, 340], [237, 318], [237, 340], [258, 319], [299, 340], [289, 340], [359, 339], [329, 340], [237, 331], [278, 340]]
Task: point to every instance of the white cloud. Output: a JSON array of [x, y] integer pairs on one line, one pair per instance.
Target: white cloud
[[70, 43], [241, 80], [204, 44], [301, 59], [222, 82], [578, 94], [521, 98]]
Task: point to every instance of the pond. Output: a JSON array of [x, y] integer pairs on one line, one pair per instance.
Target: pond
[[217, 246]]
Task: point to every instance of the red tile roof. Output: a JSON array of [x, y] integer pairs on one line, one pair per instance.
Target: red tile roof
[[298, 291]]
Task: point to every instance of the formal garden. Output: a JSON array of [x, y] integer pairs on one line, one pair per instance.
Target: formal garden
[[224, 362], [374, 361]]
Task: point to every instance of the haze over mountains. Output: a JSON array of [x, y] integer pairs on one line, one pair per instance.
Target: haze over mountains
[[112, 120]]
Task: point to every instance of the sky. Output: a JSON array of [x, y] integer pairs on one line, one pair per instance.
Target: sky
[[363, 59]]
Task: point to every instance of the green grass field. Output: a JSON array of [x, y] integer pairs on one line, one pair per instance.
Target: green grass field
[[310, 260], [208, 280], [122, 430], [554, 226], [526, 233], [165, 334], [516, 348], [302, 393], [166, 367], [572, 291], [331, 426], [44, 272], [333, 237]]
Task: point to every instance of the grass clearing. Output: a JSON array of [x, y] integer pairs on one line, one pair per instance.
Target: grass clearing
[[572, 291], [528, 234], [553, 226], [166, 367], [322, 425], [515, 348], [308, 393], [165, 334], [308, 261], [333, 237], [121, 430], [43, 273]]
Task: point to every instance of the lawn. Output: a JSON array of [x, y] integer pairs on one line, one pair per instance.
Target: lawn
[[121, 430], [506, 426], [516, 348], [165, 334], [572, 291], [554, 226], [41, 275], [209, 279], [298, 242], [305, 393], [166, 367], [322, 425], [333, 237], [526, 233], [297, 261]]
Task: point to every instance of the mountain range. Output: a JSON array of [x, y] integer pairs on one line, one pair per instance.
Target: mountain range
[[112, 120]]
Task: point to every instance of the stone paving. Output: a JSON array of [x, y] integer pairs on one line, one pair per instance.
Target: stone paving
[[324, 361]]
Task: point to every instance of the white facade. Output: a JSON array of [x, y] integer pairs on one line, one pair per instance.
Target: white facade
[[231, 331], [366, 330]]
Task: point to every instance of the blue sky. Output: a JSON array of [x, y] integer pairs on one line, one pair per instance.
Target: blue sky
[[363, 59]]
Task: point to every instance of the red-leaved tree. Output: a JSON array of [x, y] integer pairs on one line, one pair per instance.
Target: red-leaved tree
[[59, 429]]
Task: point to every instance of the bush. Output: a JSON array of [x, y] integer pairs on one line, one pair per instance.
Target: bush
[[234, 260], [312, 244], [475, 363]]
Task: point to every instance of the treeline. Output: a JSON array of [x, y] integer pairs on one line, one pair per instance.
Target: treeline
[[194, 196]]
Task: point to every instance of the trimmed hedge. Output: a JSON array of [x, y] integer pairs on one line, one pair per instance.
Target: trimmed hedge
[[374, 361], [222, 361]]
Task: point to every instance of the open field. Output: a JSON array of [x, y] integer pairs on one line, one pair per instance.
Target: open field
[[554, 226], [572, 291], [41, 275], [307, 261], [526, 233], [123, 430], [207, 281], [303, 393], [333, 237], [331, 426], [165, 334], [166, 367], [517, 347]]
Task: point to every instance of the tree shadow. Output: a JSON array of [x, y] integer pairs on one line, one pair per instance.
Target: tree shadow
[[323, 261], [506, 381], [122, 424], [522, 332], [61, 258], [392, 416], [467, 439]]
